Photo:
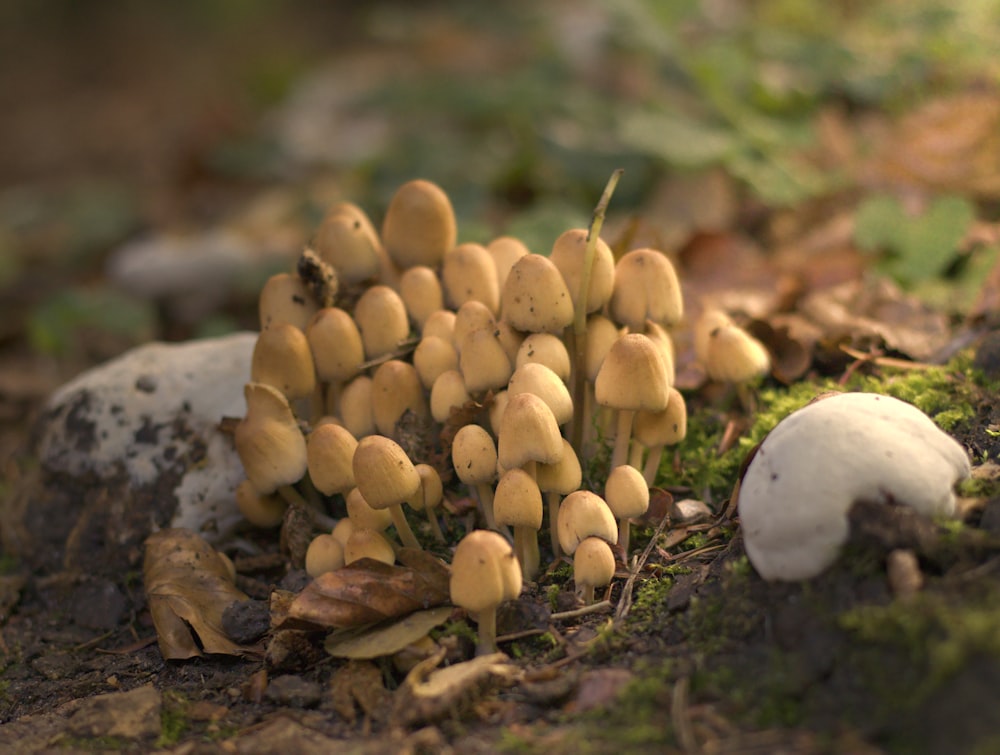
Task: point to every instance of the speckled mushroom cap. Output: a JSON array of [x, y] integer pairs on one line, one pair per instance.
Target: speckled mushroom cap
[[383, 472], [665, 427], [633, 375], [646, 287], [735, 356], [382, 320], [545, 348], [517, 500], [396, 388], [536, 378], [535, 297], [484, 571], [567, 255], [285, 299], [528, 433], [474, 455]]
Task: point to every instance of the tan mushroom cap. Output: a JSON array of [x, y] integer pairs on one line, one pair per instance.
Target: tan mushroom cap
[[355, 406], [330, 455], [593, 566], [362, 516], [440, 324], [517, 501], [282, 359], [646, 288], [510, 338], [471, 316], [601, 336], [347, 240], [528, 433], [447, 393], [382, 320], [431, 491], [421, 292], [396, 388], [285, 299], [536, 378], [268, 440], [433, 356], [633, 375], [547, 349], [665, 427], [661, 338], [483, 362], [468, 273], [562, 477], [484, 572], [336, 346], [535, 297], [264, 511], [735, 356], [474, 455], [496, 410], [368, 544], [568, 254], [584, 514], [708, 321], [419, 226], [626, 493], [342, 530], [383, 472], [324, 554], [506, 251]]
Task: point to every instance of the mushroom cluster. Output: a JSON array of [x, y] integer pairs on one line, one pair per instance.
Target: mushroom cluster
[[390, 362]]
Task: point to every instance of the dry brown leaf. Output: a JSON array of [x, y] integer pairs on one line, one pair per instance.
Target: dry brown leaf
[[367, 591], [188, 588]]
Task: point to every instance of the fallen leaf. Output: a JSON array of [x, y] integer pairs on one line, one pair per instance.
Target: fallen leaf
[[375, 642], [368, 591], [188, 588]]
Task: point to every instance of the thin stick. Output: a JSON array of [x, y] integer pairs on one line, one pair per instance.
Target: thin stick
[[625, 602], [580, 315], [577, 612]]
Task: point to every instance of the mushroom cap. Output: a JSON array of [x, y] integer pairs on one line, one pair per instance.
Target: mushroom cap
[[735, 356], [538, 379], [336, 346], [284, 298], [646, 288], [593, 563], [601, 336], [330, 455], [626, 492], [447, 393], [472, 315], [362, 516], [268, 440], [484, 571], [528, 432], [469, 273], [517, 500], [568, 254], [431, 491], [421, 292], [342, 530], [325, 553], [506, 250], [382, 320], [433, 356], [355, 406], [263, 511], [708, 321], [483, 362], [562, 477], [584, 514], [282, 358], [364, 543], [419, 226], [396, 388], [665, 427], [797, 490], [633, 375], [535, 297], [383, 472], [474, 455], [440, 324], [347, 240], [547, 349]]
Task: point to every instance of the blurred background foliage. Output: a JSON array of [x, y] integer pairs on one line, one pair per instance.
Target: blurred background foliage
[[129, 119]]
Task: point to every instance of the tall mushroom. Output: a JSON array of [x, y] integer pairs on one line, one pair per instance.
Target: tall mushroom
[[627, 496], [386, 478], [475, 458], [517, 502], [484, 574]]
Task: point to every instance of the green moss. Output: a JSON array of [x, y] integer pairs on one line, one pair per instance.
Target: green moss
[[639, 716], [173, 718]]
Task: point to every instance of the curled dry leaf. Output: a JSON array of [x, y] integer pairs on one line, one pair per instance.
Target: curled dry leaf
[[188, 588], [367, 592]]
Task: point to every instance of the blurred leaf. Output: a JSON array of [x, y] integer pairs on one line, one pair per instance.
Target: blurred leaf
[[539, 226], [57, 323], [877, 223], [188, 587], [677, 139]]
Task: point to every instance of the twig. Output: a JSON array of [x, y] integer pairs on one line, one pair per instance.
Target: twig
[[577, 612], [679, 716], [625, 602]]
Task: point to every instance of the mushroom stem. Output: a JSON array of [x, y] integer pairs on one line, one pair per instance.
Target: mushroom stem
[[435, 526], [485, 492], [526, 550], [294, 498], [587, 593], [624, 535], [635, 455], [403, 527], [623, 433], [486, 621], [652, 467], [553, 499]]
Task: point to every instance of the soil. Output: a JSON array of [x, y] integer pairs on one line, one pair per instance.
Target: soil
[[707, 656]]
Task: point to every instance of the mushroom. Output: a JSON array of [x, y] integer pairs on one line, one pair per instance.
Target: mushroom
[[282, 358], [433, 356], [285, 299], [593, 566], [529, 433], [627, 496], [447, 393], [419, 226], [420, 290], [656, 430], [728, 353], [362, 516], [264, 511], [505, 250], [468, 273], [517, 502], [347, 240], [555, 481], [429, 497], [547, 349], [355, 406], [804, 477], [364, 543], [645, 288], [535, 298], [584, 514], [386, 478], [568, 255], [483, 362], [536, 378], [325, 553], [484, 573], [396, 389], [382, 320], [475, 458], [329, 456], [472, 315], [269, 442], [632, 377], [337, 350]]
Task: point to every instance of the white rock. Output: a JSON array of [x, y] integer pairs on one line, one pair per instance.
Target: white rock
[[153, 413], [795, 496]]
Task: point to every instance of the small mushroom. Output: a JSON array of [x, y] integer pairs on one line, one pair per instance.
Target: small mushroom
[[804, 477], [419, 226], [593, 566], [517, 502], [325, 553], [474, 455], [386, 478], [484, 574], [627, 496]]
